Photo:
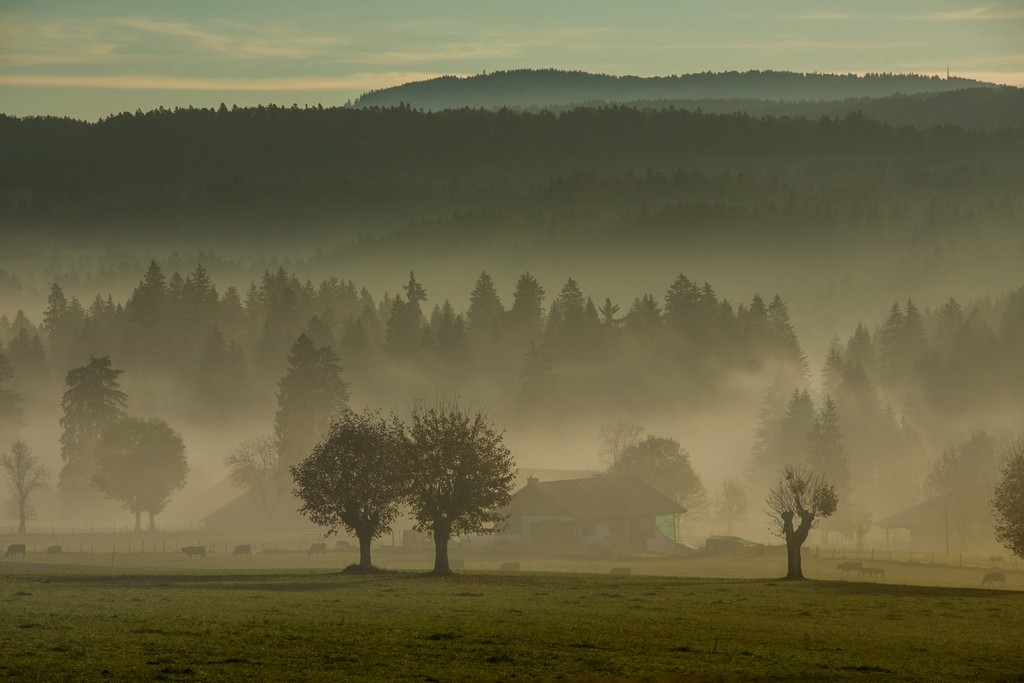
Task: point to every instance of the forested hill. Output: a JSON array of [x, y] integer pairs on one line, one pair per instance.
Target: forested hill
[[526, 88], [351, 171]]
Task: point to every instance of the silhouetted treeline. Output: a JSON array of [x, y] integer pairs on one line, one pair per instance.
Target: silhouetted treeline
[[542, 355], [526, 87], [351, 172]]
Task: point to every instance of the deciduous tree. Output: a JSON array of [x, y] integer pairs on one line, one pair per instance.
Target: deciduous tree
[[461, 475], [796, 501], [1008, 501], [356, 477], [24, 475], [140, 463], [255, 464]]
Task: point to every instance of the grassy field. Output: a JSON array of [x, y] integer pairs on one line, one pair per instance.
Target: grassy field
[[165, 617]]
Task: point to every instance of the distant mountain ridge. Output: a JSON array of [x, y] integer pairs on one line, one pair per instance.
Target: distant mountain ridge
[[550, 87]]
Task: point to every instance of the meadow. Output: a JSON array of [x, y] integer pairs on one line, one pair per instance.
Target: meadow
[[287, 616]]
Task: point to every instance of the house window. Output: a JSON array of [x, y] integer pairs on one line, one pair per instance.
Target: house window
[[616, 527]]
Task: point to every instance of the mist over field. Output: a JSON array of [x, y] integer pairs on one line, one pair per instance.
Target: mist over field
[[681, 274]]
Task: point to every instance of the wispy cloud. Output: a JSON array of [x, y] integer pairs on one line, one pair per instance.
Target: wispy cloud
[[466, 52], [360, 82], [26, 41], [828, 16], [236, 41], [986, 13]]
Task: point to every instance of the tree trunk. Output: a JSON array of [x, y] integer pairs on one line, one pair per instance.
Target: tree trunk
[[795, 568], [152, 521], [441, 553], [364, 552], [794, 540], [138, 520], [22, 514]]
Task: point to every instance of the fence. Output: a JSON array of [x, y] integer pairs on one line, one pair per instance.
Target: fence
[[914, 557]]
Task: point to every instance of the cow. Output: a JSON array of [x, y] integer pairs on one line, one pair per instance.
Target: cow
[[14, 550], [318, 549], [243, 550], [846, 567], [192, 550], [994, 577], [54, 550]]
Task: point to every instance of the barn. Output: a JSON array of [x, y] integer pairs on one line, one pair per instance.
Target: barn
[[611, 513]]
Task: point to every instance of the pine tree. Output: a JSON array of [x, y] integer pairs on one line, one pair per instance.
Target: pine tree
[[146, 312], [526, 318], [10, 400], [62, 321], [826, 453], [92, 403], [311, 393], [485, 313]]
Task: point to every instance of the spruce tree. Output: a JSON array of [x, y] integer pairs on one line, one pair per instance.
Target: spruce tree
[[826, 452], [92, 403], [310, 394], [485, 313]]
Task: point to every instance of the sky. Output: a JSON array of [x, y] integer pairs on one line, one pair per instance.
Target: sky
[[88, 59]]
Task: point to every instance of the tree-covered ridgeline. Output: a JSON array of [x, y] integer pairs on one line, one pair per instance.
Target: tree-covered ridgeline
[[610, 171]]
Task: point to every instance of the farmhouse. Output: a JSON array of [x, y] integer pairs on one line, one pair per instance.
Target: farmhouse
[[934, 527], [616, 513]]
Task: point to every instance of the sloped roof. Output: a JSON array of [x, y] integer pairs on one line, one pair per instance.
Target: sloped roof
[[923, 515], [593, 498], [245, 513]]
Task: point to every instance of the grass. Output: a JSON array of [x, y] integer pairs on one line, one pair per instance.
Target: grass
[[182, 622]]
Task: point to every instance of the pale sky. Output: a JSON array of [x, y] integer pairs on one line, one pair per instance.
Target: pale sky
[[91, 58]]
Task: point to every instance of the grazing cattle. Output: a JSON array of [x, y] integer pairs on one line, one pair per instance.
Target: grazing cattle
[[994, 577], [621, 571], [243, 550], [15, 549], [846, 567], [192, 550], [872, 571], [318, 549], [54, 550], [509, 566]]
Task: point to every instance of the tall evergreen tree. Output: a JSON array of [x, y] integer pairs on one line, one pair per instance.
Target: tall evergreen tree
[[311, 393], [404, 338], [781, 438], [92, 403], [146, 311], [826, 453], [526, 318], [10, 400], [485, 313], [62, 321]]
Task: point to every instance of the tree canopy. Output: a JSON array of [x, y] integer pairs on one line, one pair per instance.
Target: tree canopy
[[461, 475], [796, 501], [140, 463], [356, 477], [1008, 500]]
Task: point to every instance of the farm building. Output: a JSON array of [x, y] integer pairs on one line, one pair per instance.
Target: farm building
[[246, 513], [934, 527], [732, 545], [619, 513]]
